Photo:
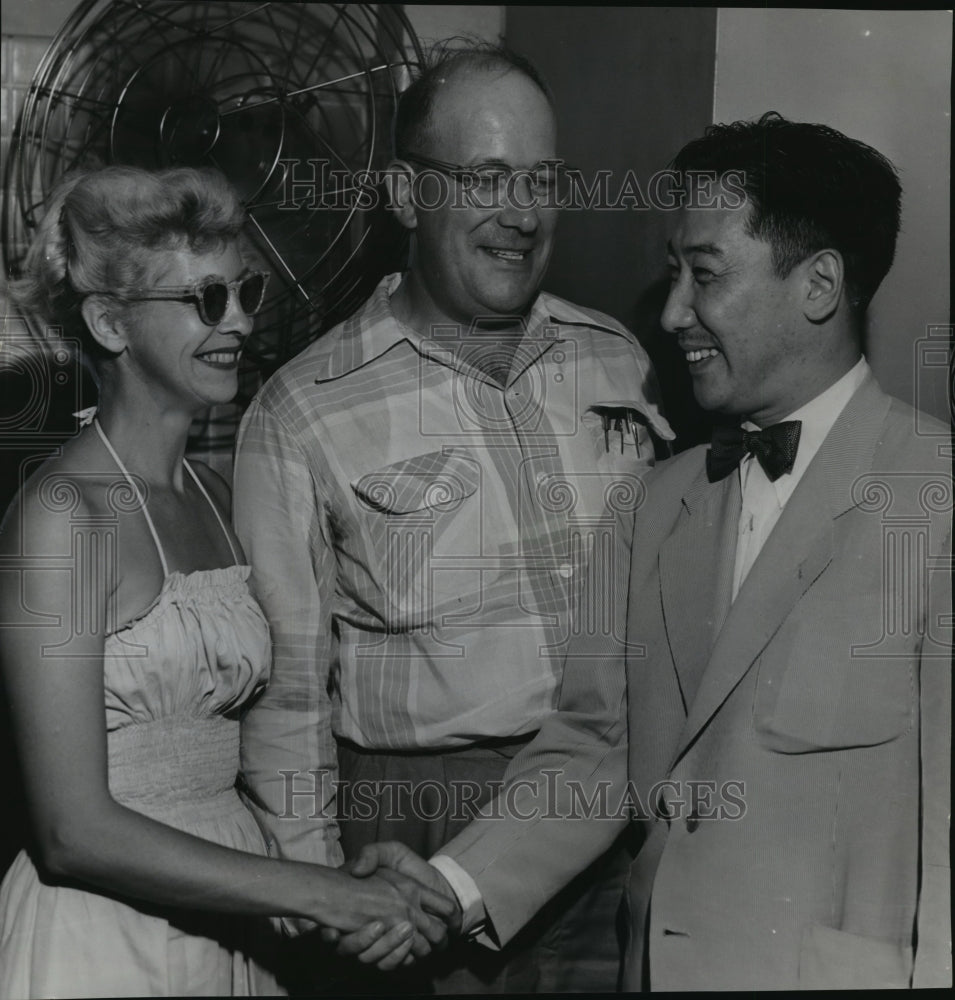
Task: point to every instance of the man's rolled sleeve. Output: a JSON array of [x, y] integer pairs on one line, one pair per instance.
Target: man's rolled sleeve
[[288, 757]]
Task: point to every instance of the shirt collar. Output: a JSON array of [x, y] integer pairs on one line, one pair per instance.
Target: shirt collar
[[365, 335], [374, 330], [818, 417]]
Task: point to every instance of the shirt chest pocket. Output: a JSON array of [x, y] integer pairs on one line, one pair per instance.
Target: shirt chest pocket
[[436, 482], [619, 434], [418, 517]]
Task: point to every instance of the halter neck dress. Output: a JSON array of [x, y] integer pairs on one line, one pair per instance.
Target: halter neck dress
[[176, 678]]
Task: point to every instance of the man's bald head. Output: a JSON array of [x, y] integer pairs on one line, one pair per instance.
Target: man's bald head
[[415, 116]]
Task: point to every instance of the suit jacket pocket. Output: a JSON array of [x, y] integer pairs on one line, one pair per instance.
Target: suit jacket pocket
[[837, 960], [812, 693], [438, 480]]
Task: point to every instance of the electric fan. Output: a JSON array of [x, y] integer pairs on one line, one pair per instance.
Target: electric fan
[[292, 101]]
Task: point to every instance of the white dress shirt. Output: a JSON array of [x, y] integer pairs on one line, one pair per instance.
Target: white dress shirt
[[763, 502]]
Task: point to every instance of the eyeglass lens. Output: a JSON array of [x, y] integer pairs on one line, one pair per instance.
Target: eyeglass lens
[[215, 297], [543, 186]]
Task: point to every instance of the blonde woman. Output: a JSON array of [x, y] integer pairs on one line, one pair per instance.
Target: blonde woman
[[146, 874]]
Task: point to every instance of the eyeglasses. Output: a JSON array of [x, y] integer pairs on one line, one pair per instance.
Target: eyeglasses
[[487, 184], [210, 294]]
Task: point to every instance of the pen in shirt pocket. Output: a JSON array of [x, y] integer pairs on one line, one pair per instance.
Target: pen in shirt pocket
[[619, 420]]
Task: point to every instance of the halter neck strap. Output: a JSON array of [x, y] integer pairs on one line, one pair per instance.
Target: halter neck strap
[[132, 485], [215, 510], [142, 500]]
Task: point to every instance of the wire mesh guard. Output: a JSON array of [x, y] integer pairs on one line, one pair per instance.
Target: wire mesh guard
[[292, 101]]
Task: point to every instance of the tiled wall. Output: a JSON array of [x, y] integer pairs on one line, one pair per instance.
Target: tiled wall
[[19, 56]]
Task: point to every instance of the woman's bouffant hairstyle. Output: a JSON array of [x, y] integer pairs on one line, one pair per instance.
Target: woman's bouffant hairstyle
[[100, 228]]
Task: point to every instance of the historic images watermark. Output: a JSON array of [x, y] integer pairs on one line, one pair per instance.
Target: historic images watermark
[[317, 184], [316, 795], [36, 369], [933, 368], [914, 516], [912, 510], [87, 551]]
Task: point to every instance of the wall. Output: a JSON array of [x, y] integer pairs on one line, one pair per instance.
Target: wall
[[631, 86], [883, 77], [36, 17], [433, 22]]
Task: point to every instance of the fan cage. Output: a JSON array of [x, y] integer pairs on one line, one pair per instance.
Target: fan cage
[[292, 101]]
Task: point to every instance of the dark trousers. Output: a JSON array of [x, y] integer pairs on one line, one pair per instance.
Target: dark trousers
[[423, 800]]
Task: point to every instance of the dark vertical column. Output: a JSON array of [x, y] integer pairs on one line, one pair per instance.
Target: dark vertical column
[[631, 85]]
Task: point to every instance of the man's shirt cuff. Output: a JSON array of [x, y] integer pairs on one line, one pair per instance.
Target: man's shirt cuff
[[465, 888]]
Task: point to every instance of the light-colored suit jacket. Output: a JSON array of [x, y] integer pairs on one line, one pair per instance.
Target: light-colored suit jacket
[[787, 753]]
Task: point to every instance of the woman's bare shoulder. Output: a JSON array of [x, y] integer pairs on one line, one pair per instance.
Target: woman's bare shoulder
[[77, 485]]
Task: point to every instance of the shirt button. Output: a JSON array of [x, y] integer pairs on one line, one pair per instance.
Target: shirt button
[[566, 570]]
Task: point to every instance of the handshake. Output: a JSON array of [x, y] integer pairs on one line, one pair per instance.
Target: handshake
[[405, 908]]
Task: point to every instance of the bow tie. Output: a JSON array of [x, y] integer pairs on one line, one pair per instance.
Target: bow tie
[[774, 448]]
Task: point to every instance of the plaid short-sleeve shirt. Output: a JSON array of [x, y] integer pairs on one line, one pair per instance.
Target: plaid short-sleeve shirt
[[418, 532]]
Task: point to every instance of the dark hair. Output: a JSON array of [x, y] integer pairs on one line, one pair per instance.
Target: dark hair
[[101, 227], [413, 118], [809, 188]]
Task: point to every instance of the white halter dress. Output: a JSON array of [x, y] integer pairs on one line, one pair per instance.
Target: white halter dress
[[176, 678]]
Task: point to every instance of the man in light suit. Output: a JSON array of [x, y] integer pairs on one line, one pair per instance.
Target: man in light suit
[[781, 728]]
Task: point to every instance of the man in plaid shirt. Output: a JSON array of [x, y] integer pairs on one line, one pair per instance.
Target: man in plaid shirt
[[418, 493]]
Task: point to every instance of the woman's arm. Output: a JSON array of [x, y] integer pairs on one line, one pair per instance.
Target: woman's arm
[[57, 711]]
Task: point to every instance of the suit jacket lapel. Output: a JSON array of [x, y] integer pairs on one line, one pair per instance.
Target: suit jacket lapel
[[696, 576], [797, 551]]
